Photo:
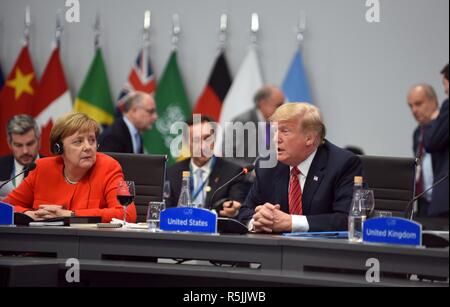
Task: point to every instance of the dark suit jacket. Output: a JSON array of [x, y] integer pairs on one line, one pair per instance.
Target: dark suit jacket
[[423, 202], [117, 138], [6, 167], [436, 142], [221, 173], [327, 193]]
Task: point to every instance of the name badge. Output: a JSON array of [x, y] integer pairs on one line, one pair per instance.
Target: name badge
[[6, 214], [188, 219], [392, 230]]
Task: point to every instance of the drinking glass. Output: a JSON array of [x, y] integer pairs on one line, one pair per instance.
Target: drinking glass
[[368, 202], [125, 195], [153, 214]]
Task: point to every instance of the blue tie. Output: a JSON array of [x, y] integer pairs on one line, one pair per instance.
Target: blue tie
[[199, 199]]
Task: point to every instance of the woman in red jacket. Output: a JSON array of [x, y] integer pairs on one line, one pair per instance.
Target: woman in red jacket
[[78, 181]]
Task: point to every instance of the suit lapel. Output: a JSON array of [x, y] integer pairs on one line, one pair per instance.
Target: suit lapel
[[6, 168], [127, 135], [314, 178], [281, 184]]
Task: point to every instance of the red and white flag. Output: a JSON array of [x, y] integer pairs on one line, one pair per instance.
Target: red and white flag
[[17, 95], [53, 99]]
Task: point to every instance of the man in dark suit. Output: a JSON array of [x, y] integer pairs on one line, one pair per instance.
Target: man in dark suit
[[23, 136], [436, 142], [208, 173], [423, 102], [124, 135], [311, 187], [247, 148]]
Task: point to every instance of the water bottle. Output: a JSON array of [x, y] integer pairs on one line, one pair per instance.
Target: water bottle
[[185, 195], [357, 214]]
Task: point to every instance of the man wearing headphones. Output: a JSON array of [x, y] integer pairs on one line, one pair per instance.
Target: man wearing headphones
[[78, 181], [124, 135]]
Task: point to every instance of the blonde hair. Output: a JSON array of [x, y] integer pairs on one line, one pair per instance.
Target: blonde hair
[[69, 124], [306, 114]]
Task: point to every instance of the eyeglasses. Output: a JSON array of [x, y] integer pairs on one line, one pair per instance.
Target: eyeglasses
[[149, 111]]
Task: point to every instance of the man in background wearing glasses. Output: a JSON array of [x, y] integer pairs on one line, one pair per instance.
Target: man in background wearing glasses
[[125, 134]]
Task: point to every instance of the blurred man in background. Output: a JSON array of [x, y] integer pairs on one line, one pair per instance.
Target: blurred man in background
[[423, 102]]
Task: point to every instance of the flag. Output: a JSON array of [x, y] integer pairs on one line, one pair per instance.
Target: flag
[[94, 98], [219, 82], [141, 77], [52, 99], [18, 94], [173, 106], [295, 85], [240, 96]]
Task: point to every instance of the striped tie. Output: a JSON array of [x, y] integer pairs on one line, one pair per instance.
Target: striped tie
[[295, 193]]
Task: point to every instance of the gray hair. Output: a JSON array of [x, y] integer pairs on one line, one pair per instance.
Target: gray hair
[[22, 124], [262, 94], [430, 92], [132, 99]]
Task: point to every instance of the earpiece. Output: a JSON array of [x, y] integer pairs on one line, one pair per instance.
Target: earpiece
[[57, 148]]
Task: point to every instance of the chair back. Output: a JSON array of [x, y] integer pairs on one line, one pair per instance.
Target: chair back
[[148, 174], [393, 181]]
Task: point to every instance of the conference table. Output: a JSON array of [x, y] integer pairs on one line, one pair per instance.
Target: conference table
[[135, 257]]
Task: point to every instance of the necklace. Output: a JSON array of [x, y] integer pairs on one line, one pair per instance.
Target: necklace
[[68, 180]]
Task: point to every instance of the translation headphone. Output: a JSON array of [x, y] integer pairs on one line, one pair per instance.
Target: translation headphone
[[57, 148]]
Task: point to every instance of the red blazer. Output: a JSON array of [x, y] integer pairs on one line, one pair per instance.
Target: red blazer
[[94, 195]]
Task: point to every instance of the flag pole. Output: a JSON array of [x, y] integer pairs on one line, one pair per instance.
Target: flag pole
[[223, 28], [254, 29], [97, 31], [176, 29], [301, 28], [58, 29], [146, 29], [26, 31]]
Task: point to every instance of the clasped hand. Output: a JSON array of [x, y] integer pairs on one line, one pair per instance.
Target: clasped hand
[[270, 219], [48, 212]]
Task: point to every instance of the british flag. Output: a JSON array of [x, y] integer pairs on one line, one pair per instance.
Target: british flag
[[141, 77]]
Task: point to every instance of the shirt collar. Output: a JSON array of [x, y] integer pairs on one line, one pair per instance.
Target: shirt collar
[[205, 168], [131, 127], [18, 167], [306, 165]]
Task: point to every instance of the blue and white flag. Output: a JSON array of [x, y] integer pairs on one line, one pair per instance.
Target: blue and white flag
[[295, 85]]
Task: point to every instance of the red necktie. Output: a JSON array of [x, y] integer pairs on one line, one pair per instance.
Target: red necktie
[[295, 193]]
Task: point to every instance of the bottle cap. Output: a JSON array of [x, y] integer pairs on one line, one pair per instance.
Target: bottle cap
[[186, 174], [358, 180]]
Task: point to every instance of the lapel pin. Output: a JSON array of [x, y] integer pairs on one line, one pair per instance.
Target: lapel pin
[[208, 189], [316, 178]]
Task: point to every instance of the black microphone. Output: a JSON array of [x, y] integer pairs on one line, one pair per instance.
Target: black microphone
[[27, 168], [409, 208], [245, 170]]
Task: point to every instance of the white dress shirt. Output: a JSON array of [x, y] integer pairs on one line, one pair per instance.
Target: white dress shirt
[[300, 222], [133, 132], [207, 169], [17, 169]]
